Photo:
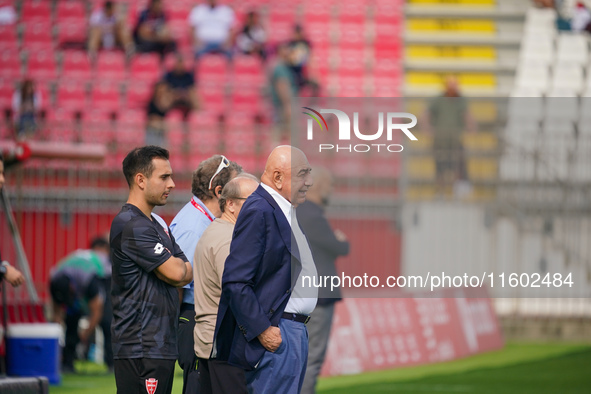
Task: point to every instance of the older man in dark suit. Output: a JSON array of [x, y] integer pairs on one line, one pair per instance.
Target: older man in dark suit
[[264, 305], [326, 244]]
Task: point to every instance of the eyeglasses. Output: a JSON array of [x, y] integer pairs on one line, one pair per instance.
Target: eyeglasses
[[223, 164]]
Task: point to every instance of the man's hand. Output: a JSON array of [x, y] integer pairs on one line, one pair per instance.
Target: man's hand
[[339, 235], [85, 335], [14, 276], [271, 338]]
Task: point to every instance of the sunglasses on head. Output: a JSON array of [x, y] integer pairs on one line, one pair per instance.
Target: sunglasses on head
[[223, 164]]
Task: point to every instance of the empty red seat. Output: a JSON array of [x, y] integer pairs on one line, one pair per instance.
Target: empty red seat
[[138, 95], [72, 33], [70, 10], [105, 96], [178, 12], [145, 67], [318, 11], [212, 68], [8, 36], [35, 10], [244, 64], [352, 12], [75, 65], [71, 96], [42, 66], [10, 64], [6, 92], [352, 33], [37, 35], [110, 66], [212, 98], [132, 116]]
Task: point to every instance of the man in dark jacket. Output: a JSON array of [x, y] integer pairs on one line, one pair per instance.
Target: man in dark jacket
[[326, 246]]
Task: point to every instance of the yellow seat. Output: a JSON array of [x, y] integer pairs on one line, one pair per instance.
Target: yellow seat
[[426, 52], [449, 25]]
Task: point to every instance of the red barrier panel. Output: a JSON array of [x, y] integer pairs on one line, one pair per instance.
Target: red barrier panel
[[374, 334]]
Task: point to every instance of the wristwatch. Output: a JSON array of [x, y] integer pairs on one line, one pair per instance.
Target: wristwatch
[[4, 267]]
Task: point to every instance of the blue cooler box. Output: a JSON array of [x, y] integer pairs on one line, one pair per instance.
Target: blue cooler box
[[33, 350]]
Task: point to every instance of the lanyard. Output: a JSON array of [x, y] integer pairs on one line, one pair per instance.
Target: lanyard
[[200, 208]]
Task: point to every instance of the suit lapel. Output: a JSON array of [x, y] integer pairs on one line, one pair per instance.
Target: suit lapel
[[282, 224]]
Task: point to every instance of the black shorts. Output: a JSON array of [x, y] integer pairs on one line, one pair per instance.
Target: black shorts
[[144, 375]]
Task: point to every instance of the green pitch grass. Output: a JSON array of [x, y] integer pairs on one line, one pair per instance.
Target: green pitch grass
[[518, 368]]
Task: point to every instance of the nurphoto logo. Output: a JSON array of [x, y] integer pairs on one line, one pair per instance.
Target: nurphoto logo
[[391, 119]]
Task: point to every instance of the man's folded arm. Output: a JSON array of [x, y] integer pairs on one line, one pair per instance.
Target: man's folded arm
[[175, 271]]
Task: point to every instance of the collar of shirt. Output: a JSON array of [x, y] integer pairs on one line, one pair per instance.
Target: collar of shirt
[[281, 201]]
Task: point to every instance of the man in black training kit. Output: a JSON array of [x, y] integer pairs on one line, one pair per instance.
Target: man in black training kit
[[148, 266]]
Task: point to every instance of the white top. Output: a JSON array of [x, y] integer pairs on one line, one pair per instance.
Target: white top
[[34, 330], [281, 201], [212, 25], [303, 299]]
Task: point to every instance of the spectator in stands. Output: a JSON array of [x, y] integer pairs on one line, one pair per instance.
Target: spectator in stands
[[76, 290], [7, 271], [108, 30], [158, 107], [447, 119], [283, 89], [151, 33], [251, 39], [212, 25], [581, 18], [182, 84], [301, 59], [26, 108]]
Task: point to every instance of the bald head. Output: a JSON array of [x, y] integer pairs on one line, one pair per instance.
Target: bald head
[[288, 172]]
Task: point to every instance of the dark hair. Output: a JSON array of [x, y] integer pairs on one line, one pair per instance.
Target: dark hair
[[139, 160], [232, 190], [202, 175], [108, 4], [1, 157], [99, 242]]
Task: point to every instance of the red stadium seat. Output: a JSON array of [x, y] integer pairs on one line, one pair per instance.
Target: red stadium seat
[[145, 68], [280, 32], [352, 12], [178, 12], [283, 13], [8, 36], [352, 34], [318, 12], [6, 92], [138, 95], [36, 10], [71, 96], [180, 32], [132, 117], [10, 64], [37, 35], [72, 33], [212, 97], [245, 64], [105, 96], [75, 65], [42, 66], [110, 66], [71, 11], [212, 68]]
